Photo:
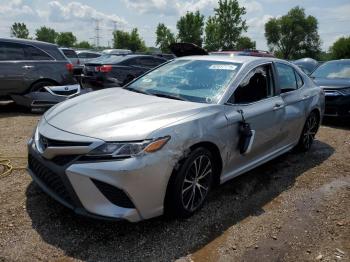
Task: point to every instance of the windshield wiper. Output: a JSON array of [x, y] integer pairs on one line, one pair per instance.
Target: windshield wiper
[[169, 96], [138, 91]]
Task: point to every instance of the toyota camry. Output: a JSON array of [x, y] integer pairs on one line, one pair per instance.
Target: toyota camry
[[159, 145]]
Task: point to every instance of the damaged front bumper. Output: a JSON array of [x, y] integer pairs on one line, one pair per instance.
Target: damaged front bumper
[[50, 96]]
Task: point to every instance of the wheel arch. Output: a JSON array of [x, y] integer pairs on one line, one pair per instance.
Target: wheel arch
[[213, 148], [42, 80]]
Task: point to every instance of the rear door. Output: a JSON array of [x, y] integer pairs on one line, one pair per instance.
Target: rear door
[[13, 66]]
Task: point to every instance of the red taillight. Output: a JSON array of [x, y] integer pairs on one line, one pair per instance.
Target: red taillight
[[105, 68], [69, 67]]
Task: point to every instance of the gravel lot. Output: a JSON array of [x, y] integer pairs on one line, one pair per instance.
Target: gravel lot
[[294, 208]]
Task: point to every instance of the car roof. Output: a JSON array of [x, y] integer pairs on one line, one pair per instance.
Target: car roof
[[234, 59], [87, 51], [136, 55], [66, 48], [26, 41]]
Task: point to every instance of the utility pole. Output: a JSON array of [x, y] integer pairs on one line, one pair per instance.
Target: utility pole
[[97, 32], [114, 30], [114, 26]]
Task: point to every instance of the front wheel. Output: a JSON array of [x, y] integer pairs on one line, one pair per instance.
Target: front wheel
[[189, 189], [309, 132], [40, 86]]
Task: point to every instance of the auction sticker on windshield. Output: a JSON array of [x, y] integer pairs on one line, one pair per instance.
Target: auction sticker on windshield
[[223, 67]]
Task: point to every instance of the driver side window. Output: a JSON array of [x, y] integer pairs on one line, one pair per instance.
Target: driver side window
[[256, 86]]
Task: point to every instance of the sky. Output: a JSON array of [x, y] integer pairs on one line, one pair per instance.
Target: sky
[[81, 17]]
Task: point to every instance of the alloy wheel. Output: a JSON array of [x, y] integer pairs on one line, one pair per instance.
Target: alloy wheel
[[311, 127], [196, 184]]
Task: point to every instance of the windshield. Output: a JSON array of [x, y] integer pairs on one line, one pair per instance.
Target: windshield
[[335, 69], [192, 80]]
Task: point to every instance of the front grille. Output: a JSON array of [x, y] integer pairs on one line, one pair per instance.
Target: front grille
[[59, 143], [64, 159], [66, 93], [50, 179], [114, 194]]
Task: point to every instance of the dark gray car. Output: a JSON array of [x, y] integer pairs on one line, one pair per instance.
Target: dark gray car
[[28, 66]]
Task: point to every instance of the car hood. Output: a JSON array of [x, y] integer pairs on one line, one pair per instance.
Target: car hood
[[332, 83], [117, 114]]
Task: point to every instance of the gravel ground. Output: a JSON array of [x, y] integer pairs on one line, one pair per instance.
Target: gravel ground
[[294, 208]]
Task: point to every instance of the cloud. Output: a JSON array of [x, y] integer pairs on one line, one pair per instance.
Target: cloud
[[175, 8], [76, 11], [16, 9]]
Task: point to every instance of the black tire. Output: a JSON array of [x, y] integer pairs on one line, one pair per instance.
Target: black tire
[[308, 134], [39, 86], [188, 189]]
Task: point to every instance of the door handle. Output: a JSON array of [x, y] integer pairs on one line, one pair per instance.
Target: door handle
[[278, 106], [27, 67], [305, 97]]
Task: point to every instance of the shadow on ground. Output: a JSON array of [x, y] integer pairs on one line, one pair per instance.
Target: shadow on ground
[[160, 239], [11, 109]]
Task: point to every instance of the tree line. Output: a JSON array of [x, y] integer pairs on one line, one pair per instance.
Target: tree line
[[47, 34], [291, 36]]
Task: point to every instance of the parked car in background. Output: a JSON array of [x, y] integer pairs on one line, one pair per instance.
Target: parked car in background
[[334, 78], [87, 55], [73, 57], [166, 56], [49, 96], [308, 65], [117, 52], [28, 66], [159, 144], [116, 71], [258, 53]]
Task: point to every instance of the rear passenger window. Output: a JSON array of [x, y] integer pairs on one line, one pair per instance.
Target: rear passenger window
[[149, 61], [12, 52], [286, 77], [90, 55], [256, 86], [83, 55], [70, 53], [36, 54]]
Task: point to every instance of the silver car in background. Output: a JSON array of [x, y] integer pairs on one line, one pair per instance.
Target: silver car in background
[[158, 145]]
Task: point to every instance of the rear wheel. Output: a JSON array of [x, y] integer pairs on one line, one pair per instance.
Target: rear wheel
[[189, 189], [309, 132]]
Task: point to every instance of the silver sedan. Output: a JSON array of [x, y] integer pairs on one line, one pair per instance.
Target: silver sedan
[[158, 145]]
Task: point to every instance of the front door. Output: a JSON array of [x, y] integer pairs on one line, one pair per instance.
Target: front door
[[264, 110]]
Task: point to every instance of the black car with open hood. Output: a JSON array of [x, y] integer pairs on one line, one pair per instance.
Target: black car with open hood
[[187, 49]]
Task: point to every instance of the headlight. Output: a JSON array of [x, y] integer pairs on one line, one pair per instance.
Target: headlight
[[130, 149], [344, 91]]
